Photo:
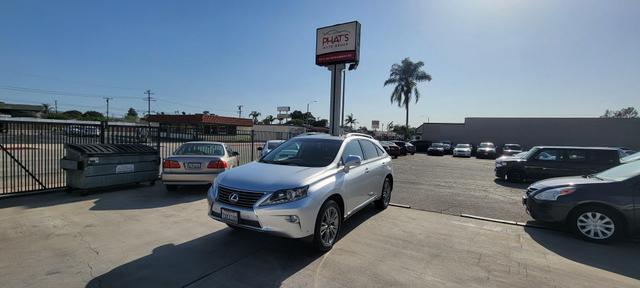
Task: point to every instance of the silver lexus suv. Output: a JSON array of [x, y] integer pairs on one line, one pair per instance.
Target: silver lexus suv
[[306, 186]]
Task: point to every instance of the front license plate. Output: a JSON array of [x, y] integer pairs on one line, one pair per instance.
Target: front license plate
[[194, 165], [230, 216]]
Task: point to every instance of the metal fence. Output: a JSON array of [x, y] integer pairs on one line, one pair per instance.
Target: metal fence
[[30, 150]]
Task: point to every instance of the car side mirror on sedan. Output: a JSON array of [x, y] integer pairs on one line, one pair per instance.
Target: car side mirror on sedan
[[260, 148], [352, 161], [234, 153]]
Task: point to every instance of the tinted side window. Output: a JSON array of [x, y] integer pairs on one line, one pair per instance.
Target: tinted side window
[[604, 156], [577, 155], [548, 155], [352, 148], [369, 149]]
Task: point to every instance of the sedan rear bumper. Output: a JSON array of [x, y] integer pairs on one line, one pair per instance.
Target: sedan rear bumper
[[188, 179]]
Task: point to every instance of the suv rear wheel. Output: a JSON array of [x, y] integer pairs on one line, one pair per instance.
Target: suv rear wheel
[[515, 176], [385, 198], [328, 224]]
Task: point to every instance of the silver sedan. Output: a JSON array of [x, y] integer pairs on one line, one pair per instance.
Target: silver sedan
[[197, 163]]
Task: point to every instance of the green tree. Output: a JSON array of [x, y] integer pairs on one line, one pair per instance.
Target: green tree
[[255, 115], [269, 119], [320, 123], [297, 114], [390, 126], [296, 122], [628, 112], [46, 108], [351, 121], [406, 76], [72, 114], [92, 116], [132, 115]]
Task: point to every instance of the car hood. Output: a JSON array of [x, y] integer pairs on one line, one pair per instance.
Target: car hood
[[566, 181], [257, 176], [462, 149]]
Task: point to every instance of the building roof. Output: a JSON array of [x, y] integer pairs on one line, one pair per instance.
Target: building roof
[[21, 107], [201, 119]]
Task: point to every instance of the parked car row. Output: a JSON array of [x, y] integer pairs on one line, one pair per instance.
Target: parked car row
[[398, 148]]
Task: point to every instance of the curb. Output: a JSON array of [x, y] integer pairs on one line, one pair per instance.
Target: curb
[[508, 222], [400, 205]]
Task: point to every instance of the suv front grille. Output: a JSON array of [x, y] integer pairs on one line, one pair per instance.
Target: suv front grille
[[245, 199]]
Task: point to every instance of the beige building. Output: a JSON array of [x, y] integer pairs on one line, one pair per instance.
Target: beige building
[[530, 132]]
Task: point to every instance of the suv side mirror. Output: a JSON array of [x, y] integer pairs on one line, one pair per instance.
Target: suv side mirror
[[260, 148], [234, 153], [352, 161]]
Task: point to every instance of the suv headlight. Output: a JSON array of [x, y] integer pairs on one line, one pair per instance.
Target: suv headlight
[[500, 164], [553, 194], [286, 196]]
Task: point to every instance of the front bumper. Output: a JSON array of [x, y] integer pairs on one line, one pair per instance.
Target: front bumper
[[188, 179], [501, 171], [545, 211], [273, 219], [462, 153]]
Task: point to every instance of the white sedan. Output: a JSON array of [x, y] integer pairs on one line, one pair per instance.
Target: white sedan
[[462, 150], [197, 163]]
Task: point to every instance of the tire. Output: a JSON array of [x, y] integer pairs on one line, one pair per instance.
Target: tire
[[327, 219], [385, 196], [608, 224], [171, 187], [515, 176]]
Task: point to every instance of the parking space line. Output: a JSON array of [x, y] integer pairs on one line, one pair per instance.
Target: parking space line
[[509, 222], [400, 205]]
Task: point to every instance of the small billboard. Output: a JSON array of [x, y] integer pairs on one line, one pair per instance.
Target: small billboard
[[375, 124], [338, 44], [284, 109]]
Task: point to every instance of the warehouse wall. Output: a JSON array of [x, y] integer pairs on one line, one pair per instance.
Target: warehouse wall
[[538, 131]]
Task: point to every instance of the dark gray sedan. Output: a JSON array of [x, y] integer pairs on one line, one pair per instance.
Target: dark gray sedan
[[598, 207]]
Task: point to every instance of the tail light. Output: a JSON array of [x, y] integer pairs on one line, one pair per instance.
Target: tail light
[[218, 164], [171, 164]]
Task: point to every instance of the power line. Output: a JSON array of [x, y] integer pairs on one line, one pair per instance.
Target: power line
[[58, 93], [107, 98]]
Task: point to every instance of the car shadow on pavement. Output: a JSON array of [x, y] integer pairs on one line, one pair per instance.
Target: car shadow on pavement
[[620, 257], [508, 184], [123, 198], [225, 258]]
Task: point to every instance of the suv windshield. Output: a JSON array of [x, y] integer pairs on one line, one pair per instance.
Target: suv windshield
[[621, 172], [200, 149], [308, 152], [272, 145]]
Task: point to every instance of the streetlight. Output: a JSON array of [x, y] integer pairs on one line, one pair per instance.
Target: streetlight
[[306, 116]]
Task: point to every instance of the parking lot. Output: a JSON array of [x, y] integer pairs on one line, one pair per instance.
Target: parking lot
[[456, 186], [146, 236]]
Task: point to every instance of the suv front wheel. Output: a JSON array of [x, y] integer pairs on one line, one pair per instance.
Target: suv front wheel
[[385, 198], [328, 225]]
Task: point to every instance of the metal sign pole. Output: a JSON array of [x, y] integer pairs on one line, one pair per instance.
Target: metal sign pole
[[336, 85]]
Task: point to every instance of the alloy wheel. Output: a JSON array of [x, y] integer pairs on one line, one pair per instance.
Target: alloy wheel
[[595, 225], [386, 192], [329, 226]]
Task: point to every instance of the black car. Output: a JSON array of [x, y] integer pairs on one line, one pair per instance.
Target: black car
[[436, 149], [486, 150], [405, 147], [597, 207], [543, 162]]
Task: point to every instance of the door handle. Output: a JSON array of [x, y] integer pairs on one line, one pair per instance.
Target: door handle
[[366, 170]]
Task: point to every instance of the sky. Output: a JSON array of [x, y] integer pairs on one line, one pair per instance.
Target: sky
[[491, 58]]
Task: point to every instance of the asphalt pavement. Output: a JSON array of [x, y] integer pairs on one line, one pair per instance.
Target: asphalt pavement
[[148, 237], [456, 186]]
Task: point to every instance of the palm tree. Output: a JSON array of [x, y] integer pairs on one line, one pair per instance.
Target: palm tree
[[255, 115], [269, 119], [46, 108], [405, 77], [351, 121]]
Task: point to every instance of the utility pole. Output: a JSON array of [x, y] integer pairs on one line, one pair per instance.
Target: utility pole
[[56, 105], [344, 80], [107, 98], [148, 99], [240, 111], [306, 116]]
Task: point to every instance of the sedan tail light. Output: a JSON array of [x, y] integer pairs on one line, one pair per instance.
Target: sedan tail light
[[218, 164], [170, 164]]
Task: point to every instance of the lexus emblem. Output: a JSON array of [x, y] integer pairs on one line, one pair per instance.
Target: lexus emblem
[[234, 197]]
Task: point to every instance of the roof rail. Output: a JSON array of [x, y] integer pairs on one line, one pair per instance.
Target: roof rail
[[358, 134]]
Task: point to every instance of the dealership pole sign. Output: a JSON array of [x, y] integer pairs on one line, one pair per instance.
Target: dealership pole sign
[[375, 124], [336, 46]]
